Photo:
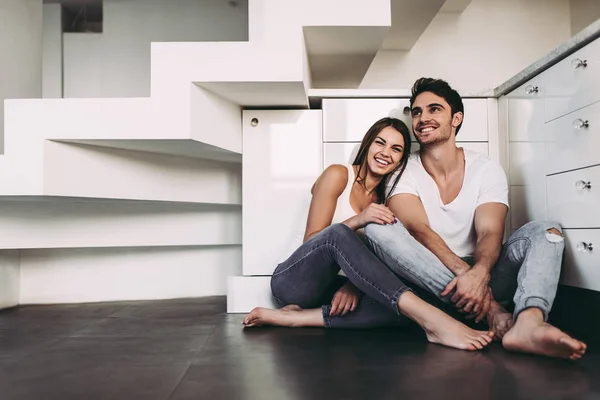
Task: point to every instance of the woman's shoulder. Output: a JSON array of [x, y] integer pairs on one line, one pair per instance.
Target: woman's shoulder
[[334, 177]]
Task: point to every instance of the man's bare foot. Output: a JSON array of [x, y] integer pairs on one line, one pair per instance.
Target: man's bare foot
[[440, 328], [499, 320], [290, 316], [531, 334]]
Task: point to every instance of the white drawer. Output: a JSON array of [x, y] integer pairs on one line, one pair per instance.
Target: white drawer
[[581, 265], [344, 153], [569, 147], [526, 112], [348, 120], [568, 87], [570, 202]]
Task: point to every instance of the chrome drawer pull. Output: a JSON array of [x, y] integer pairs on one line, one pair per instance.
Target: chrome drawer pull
[[583, 247], [531, 89], [580, 124], [581, 185], [577, 63]]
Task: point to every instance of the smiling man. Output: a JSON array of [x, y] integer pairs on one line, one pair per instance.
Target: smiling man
[[452, 204]]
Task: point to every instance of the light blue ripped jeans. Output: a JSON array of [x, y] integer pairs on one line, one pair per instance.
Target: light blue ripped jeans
[[527, 270]]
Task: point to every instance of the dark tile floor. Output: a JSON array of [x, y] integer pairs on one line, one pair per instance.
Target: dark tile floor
[[192, 349]]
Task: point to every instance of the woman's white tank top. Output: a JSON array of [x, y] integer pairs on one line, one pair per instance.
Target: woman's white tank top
[[343, 211]]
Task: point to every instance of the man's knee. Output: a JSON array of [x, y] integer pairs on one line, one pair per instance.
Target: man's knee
[[552, 230], [381, 233]]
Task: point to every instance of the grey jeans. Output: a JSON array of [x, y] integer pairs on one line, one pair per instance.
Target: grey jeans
[[309, 278], [527, 271]]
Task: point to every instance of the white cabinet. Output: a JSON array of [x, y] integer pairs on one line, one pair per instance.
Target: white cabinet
[[527, 203], [526, 153], [573, 82], [581, 266], [348, 120], [554, 161], [282, 158], [339, 153], [573, 198], [526, 163], [574, 140], [526, 112]]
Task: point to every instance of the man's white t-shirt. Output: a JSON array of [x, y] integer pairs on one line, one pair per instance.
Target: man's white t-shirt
[[484, 182]]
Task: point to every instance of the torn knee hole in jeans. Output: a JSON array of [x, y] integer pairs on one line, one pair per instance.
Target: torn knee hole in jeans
[[554, 235]]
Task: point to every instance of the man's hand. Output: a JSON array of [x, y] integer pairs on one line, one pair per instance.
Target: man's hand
[[345, 300], [472, 294]]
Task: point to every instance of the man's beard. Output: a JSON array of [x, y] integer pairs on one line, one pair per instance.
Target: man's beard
[[437, 141]]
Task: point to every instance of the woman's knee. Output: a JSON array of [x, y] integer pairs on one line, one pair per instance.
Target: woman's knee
[[336, 231]]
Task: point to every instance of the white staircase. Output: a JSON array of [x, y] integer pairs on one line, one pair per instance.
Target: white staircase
[[140, 198]]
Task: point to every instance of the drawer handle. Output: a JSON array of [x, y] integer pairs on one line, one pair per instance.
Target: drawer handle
[[578, 63], [583, 247], [581, 124], [531, 89], [581, 185]]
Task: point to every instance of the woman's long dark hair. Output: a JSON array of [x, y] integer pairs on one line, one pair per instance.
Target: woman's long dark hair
[[363, 151]]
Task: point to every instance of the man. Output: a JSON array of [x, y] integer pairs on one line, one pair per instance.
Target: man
[[452, 204]]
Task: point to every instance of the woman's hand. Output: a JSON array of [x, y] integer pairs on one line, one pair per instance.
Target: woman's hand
[[377, 213], [345, 300]]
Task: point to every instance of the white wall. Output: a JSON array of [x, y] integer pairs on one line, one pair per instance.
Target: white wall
[[487, 44], [583, 13], [116, 62], [52, 52], [20, 52]]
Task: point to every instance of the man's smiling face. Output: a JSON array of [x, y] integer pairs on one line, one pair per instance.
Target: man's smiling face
[[432, 119]]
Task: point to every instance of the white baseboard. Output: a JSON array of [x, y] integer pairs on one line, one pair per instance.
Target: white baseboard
[[246, 292]]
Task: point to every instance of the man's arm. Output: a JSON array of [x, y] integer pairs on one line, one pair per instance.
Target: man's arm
[[410, 211], [489, 227], [472, 292]]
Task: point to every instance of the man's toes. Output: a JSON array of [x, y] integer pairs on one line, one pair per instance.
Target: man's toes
[[573, 344]]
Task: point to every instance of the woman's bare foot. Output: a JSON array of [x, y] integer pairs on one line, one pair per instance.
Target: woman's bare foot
[[291, 307], [439, 327], [290, 316], [499, 320], [532, 335]]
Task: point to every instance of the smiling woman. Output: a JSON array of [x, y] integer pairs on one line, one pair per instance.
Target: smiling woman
[[345, 199]]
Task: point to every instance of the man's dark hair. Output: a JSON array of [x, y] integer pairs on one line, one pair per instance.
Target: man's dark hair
[[439, 88]]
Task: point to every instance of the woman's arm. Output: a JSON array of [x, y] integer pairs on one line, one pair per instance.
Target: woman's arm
[[325, 192]]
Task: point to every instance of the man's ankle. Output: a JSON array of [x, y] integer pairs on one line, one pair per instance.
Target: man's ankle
[[531, 314]]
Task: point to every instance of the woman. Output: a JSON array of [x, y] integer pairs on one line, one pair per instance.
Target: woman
[[344, 200]]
